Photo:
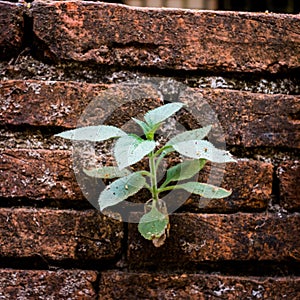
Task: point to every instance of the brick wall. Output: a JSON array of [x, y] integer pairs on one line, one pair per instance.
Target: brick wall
[[58, 56]]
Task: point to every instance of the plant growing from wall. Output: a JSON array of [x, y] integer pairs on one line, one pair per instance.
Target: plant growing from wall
[[131, 148]]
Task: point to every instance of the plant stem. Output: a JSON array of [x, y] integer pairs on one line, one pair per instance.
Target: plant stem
[[147, 186], [153, 177], [168, 188], [161, 153], [145, 173], [164, 148]]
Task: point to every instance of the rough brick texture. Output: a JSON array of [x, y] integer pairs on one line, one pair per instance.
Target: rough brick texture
[[289, 177], [243, 247], [122, 285], [38, 174], [251, 184], [172, 39], [63, 284], [247, 119], [48, 174], [196, 238], [54, 103], [58, 235], [252, 119], [11, 29], [45, 103]]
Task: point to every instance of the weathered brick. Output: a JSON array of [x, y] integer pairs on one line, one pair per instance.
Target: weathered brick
[[48, 174], [59, 235], [168, 39], [45, 103], [53, 103], [247, 119], [250, 182], [11, 29], [123, 285], [198, 238], [62, 284], [38, 174], [289, 176]]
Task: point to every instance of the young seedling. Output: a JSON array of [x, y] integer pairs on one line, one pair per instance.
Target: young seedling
[[130, 149]]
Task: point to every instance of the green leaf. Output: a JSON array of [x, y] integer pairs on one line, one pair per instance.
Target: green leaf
[[161, 113], [121, 189], [106, 172], [149, 130], [184, 170], [92, 133], [142, 124], [153, 224], [196, 134], [203, 149], [205, 190], [130, 149]]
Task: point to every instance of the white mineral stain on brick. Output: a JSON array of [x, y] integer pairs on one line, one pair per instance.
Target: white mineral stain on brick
[[223, 289], [47, 179], [36, 87], [258, 294], [190, 247]]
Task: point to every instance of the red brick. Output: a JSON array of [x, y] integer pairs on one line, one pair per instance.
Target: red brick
[[45, 103], [250, 182], [48, 174], [62, 284], [247, 119], [12, 27], [38, 174], [198, 238], [52, 103], [167, 39], [123, 285], [289, 176], [59, 235]]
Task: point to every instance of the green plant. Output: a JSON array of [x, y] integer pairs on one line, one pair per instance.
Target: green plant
[[130, 148]]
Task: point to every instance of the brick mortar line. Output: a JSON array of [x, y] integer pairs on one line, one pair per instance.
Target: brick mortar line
[[205, 269]]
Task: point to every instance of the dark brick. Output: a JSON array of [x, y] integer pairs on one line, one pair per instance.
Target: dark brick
[[250, 182], [48, 174], [12, 28], [199, 238], [167, 39], [62, 284], [45, 103], [289, 176], [247, 119], [59, 234], [38, 174], [52, 103], [123, 285]]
